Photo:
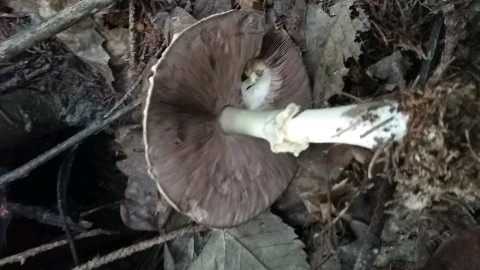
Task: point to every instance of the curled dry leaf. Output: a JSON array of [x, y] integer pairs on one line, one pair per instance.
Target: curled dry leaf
[[142, 209], [263, 243], [82, 39], [331, 39], [318, 165], [318, 203]]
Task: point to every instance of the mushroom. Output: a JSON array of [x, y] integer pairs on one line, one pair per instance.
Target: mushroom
[[217, 179], [220, 119]]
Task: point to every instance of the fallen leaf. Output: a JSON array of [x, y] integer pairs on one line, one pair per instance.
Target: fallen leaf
[[186, 248], [178, 21], [319, 165], [142, 208], [295, 23], [319, 205], [24, 7], [331, 40], [168, 262], [391, 68], [116, 45], [263, 243], [205, 8], [82, 39]]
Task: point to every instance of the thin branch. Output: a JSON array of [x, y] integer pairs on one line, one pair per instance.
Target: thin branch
[[23, 256], [63, 179], [59, 22], [432, 47], [367, 254], [130, 250], [474, 154], [93, 128], [46, 216]]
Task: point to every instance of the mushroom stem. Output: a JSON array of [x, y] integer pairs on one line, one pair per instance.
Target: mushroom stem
[[366, 125]]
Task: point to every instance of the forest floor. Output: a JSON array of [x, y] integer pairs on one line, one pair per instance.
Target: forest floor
[[74, 187]]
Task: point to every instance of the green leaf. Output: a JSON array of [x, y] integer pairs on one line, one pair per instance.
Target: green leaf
[[263, 243]]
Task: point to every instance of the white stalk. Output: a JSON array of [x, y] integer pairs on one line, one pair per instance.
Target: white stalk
[[366, 125]]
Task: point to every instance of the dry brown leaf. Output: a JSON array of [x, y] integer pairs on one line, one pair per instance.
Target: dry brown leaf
[[331, 40], [117, 45], [318, 165], [142, 209], [317, 203], [82, 39]]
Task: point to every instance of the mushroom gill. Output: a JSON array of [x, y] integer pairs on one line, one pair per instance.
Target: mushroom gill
[[217, 179]]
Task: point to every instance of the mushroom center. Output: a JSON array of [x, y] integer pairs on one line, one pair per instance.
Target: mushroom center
[[255, 86]]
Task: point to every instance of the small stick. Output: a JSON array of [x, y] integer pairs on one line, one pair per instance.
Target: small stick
[[57, 23], [22, 257], [127, 251], [93, 128], [367, 254], [432, 47], [45, 216], [63, 179], [474, 154]]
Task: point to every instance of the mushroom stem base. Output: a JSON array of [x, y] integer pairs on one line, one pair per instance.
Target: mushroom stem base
[[366, 125]]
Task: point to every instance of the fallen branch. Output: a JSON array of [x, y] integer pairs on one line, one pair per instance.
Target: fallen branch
[[23, 256], [59, 22], [46, 216], [93, 128], [127, 251]]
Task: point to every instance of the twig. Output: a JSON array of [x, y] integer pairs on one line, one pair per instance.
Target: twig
[[21, 257], [132, 37], [120, 102], [102, 207], [57, 23], [373, 239], [127, 251], [474, 154], [63, 179], [93, 128], [455, 29], [45, 216], [432, 47]]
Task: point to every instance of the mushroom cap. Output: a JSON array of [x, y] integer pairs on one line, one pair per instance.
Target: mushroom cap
[[216, 179]]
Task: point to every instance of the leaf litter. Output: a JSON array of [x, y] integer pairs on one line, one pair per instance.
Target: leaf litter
[[327, 201], [331, 39]]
